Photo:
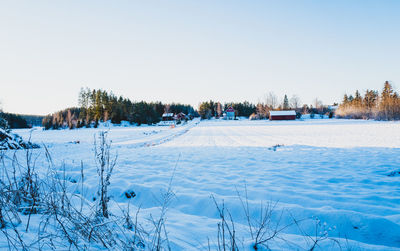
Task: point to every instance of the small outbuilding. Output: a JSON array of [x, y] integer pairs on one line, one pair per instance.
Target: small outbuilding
[[230, 113], [333, 108], [282, 115]]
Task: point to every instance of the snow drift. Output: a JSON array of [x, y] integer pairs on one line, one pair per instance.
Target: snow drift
[[13, 141]]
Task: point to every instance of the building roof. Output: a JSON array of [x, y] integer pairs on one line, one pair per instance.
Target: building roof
[[282, 113], [230, 109], [168, 115]]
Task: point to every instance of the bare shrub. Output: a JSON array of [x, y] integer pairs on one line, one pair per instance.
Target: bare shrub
[[66, 220], [262, 229], [105, 166], [159, 235], [320, 234], [266, 230], [226, 235]]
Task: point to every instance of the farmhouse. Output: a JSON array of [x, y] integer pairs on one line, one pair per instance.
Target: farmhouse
[[282, 115], [168, 117], [230, 113], [180, 116]]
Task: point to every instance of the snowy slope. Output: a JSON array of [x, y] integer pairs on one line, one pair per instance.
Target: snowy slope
[[338, 171]]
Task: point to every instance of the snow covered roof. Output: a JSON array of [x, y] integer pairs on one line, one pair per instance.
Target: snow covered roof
[[282, 113], [168, 115]]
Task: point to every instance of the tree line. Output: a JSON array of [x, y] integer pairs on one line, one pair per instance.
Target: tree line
[[13, 121], [260, 110], [211, 108], [99, 106], [373, 105], [67, 118]]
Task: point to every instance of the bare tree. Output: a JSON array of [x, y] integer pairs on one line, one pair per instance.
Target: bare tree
[[262, 110], [295, 102], [69, 119], [167, 108], [317, 103], [219, 109], [271, 100]]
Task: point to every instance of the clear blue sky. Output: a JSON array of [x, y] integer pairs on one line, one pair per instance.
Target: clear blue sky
[[189, 51]]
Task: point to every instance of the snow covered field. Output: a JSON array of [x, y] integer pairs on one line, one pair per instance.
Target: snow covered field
[[341, 173]]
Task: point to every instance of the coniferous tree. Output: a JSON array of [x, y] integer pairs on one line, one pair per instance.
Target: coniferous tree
[[370, 99], [357, 101], [385, 106], [386, 100], [345, 99], [13, 121], [205, 110], [285, 105]]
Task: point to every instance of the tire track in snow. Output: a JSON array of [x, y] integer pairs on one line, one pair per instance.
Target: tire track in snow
[[162, 140]]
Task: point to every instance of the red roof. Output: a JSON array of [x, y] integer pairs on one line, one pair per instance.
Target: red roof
[[230, 109]]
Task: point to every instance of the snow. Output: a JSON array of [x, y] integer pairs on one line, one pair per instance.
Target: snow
[[13, 141], [319, 133], [336, 171]]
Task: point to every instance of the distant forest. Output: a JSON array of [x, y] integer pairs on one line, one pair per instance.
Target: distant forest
[[99, 105], [383, 106], [13, 120], [16, 121]]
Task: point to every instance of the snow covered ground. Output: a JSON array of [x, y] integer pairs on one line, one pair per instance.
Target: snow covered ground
[[341, 173]]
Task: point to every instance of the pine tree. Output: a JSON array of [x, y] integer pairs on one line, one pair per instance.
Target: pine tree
[[357, 99], [351, 98], [345, 100], [386, 102], [285, 105], [370, 99]]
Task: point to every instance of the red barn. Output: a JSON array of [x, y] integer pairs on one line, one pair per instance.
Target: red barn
[[282, 115], [180, 116]]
